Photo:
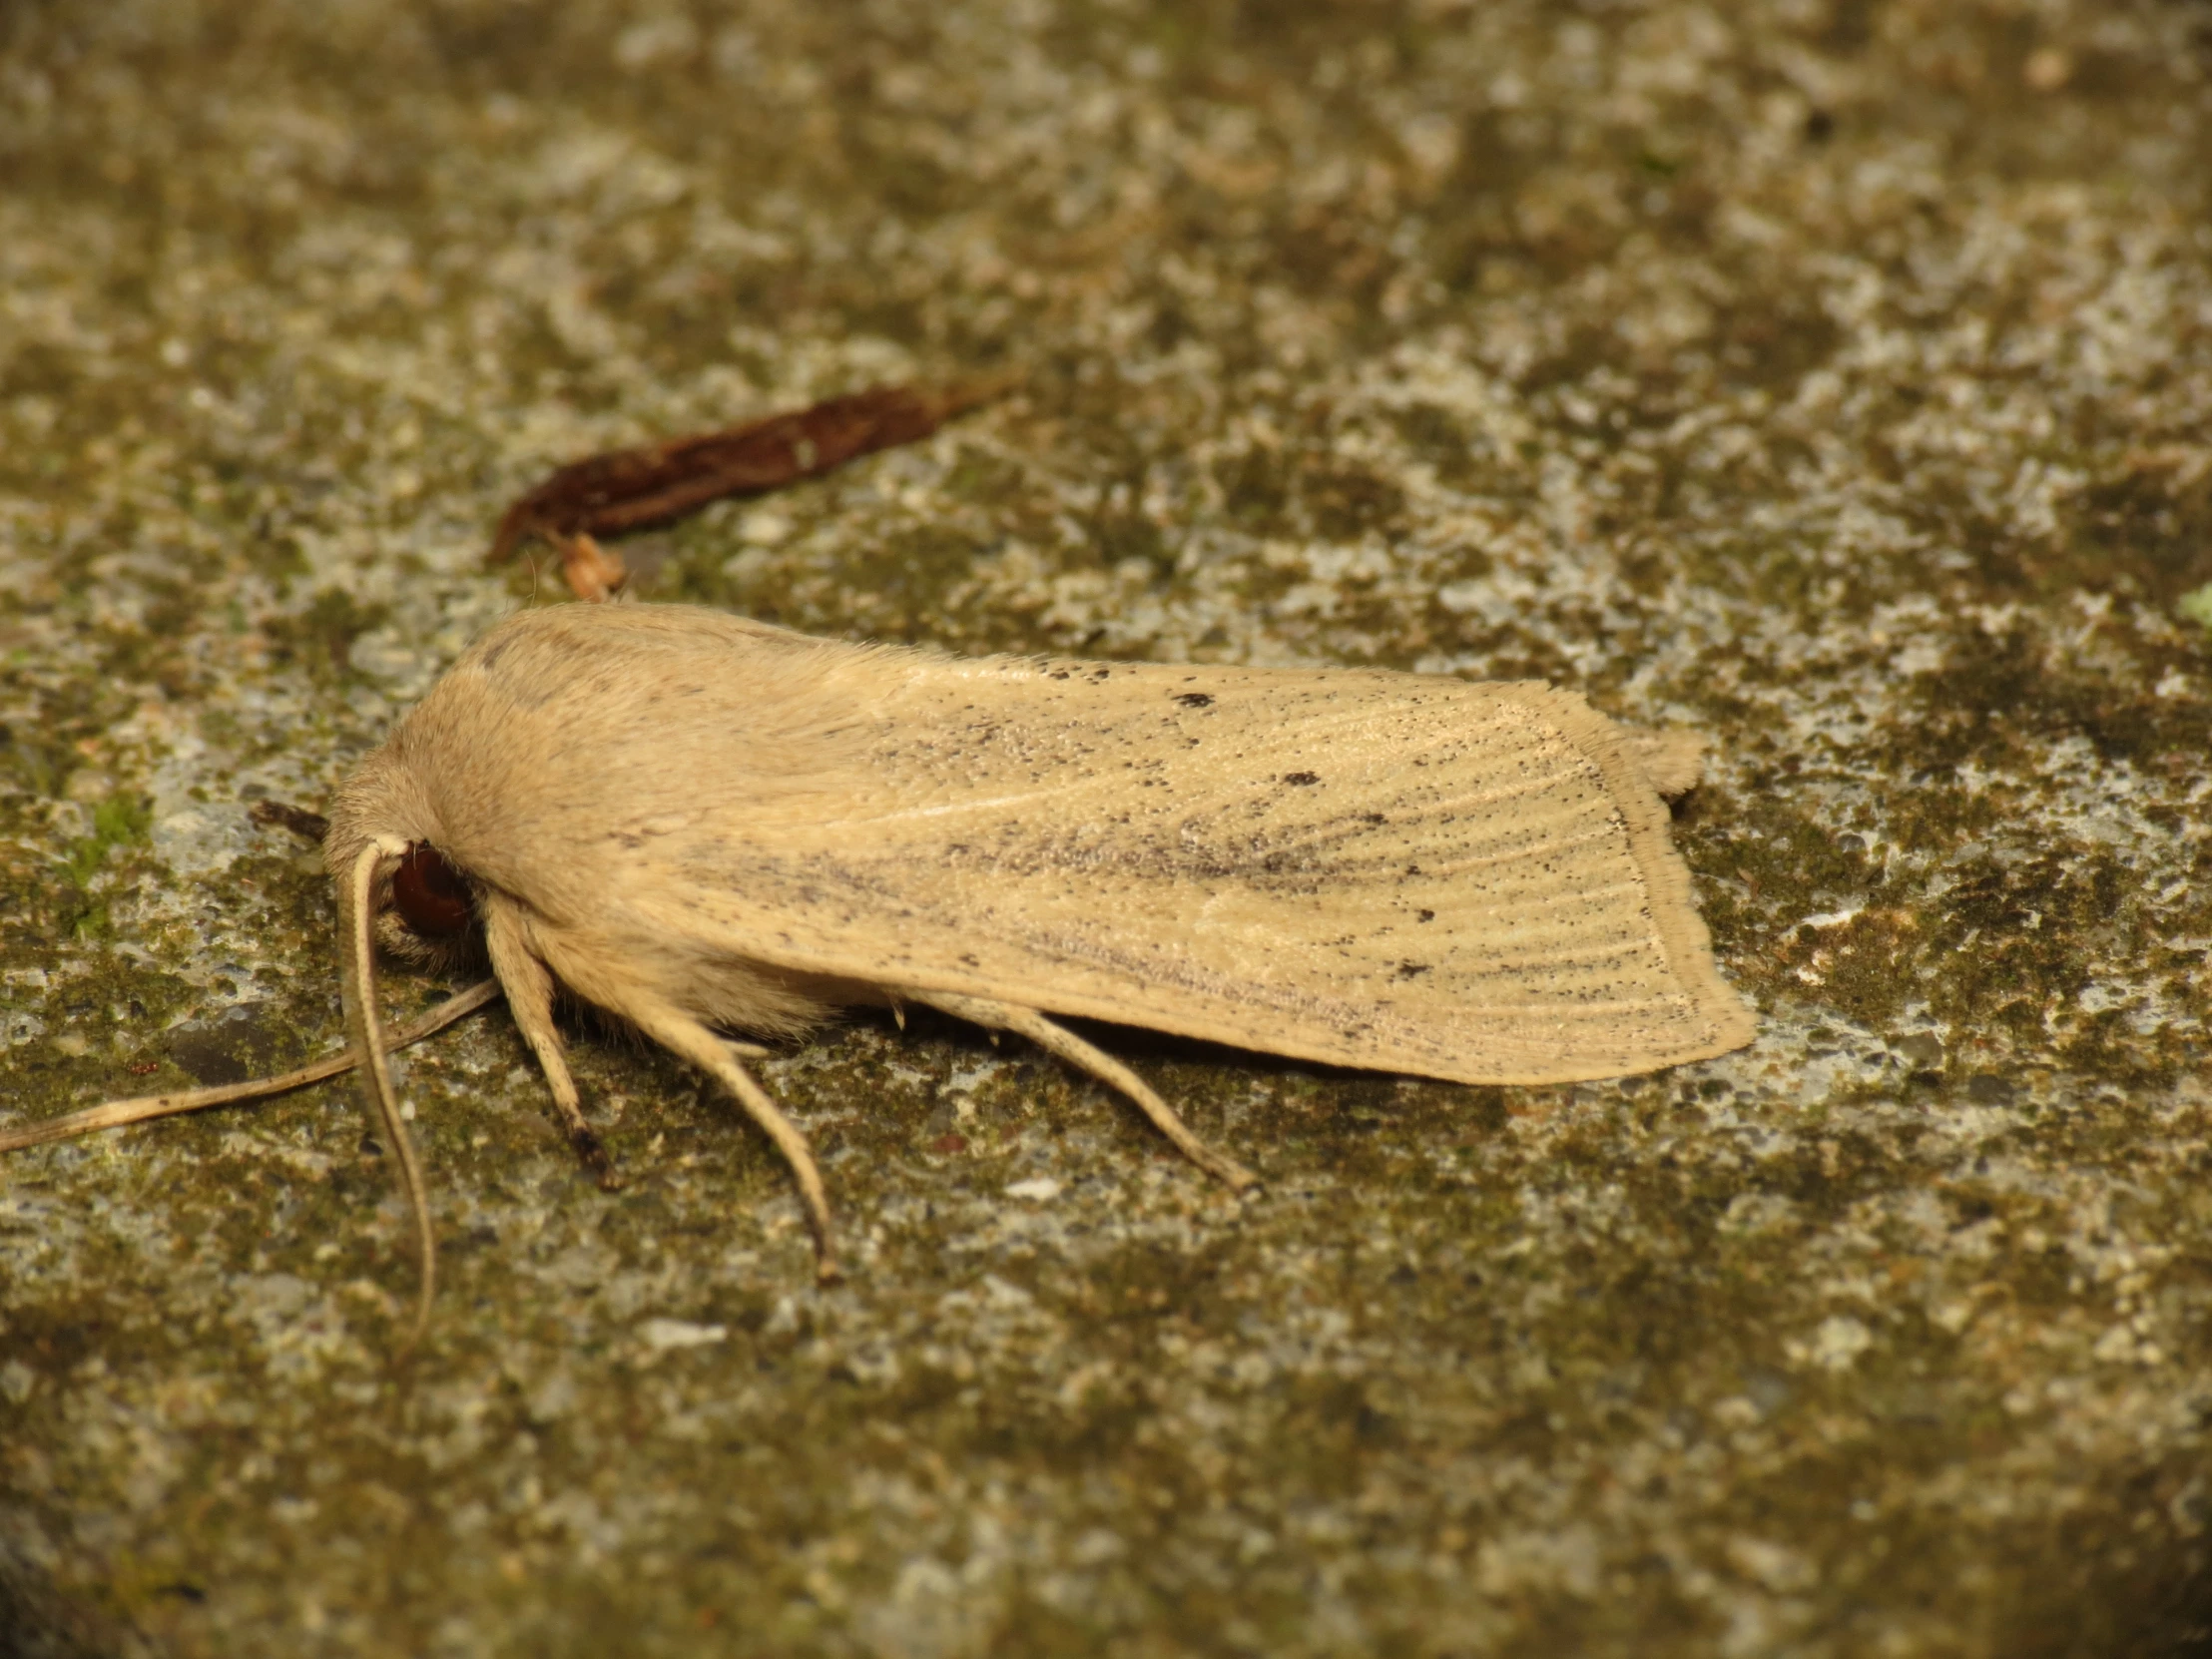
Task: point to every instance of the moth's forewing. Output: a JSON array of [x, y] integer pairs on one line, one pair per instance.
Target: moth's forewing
[[1407, 873]]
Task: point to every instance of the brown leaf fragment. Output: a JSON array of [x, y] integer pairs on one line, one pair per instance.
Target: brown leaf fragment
[[593, 573], [626, 489]]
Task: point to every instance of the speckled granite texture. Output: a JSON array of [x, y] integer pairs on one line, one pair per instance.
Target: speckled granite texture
[[1831, 375]]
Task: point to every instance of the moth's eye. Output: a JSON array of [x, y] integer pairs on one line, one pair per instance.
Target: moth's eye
[[430, 893]]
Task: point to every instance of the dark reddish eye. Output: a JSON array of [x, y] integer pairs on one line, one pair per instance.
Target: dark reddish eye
[[430, 895]]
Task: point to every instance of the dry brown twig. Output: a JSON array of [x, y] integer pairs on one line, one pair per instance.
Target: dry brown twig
[[627, 489]]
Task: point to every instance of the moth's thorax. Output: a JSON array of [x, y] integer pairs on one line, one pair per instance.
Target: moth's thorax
[[574, 754]]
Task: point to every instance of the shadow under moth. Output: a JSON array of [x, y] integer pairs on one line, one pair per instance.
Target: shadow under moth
[[703, 825]]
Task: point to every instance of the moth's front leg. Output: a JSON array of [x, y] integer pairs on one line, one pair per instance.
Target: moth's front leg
[[1058, 1039], [529, 991]]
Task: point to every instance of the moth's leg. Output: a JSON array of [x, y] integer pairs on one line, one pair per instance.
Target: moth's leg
[[1057, 1039], [678, 1032], [529, 991], [116, 1114]]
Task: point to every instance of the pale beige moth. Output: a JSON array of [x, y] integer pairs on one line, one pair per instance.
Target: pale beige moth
[[702, 825]]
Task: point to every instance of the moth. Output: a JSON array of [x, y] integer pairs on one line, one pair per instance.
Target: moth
[[703, 825]]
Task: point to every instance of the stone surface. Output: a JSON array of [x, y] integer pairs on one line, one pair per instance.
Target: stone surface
[[1834, 377]]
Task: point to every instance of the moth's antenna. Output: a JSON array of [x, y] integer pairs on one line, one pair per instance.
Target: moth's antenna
[[119, 1114], [364, 1031]]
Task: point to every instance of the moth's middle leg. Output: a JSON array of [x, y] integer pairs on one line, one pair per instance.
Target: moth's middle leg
[[689, 1039], [1058, 1039], [681, 1033]]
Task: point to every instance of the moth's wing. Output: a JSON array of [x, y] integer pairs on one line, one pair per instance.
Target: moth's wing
[[1405, 872]]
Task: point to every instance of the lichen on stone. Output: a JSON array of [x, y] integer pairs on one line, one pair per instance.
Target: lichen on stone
[[1831, 378]]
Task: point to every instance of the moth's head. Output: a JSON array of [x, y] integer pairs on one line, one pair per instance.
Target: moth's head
[[424, 907]]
